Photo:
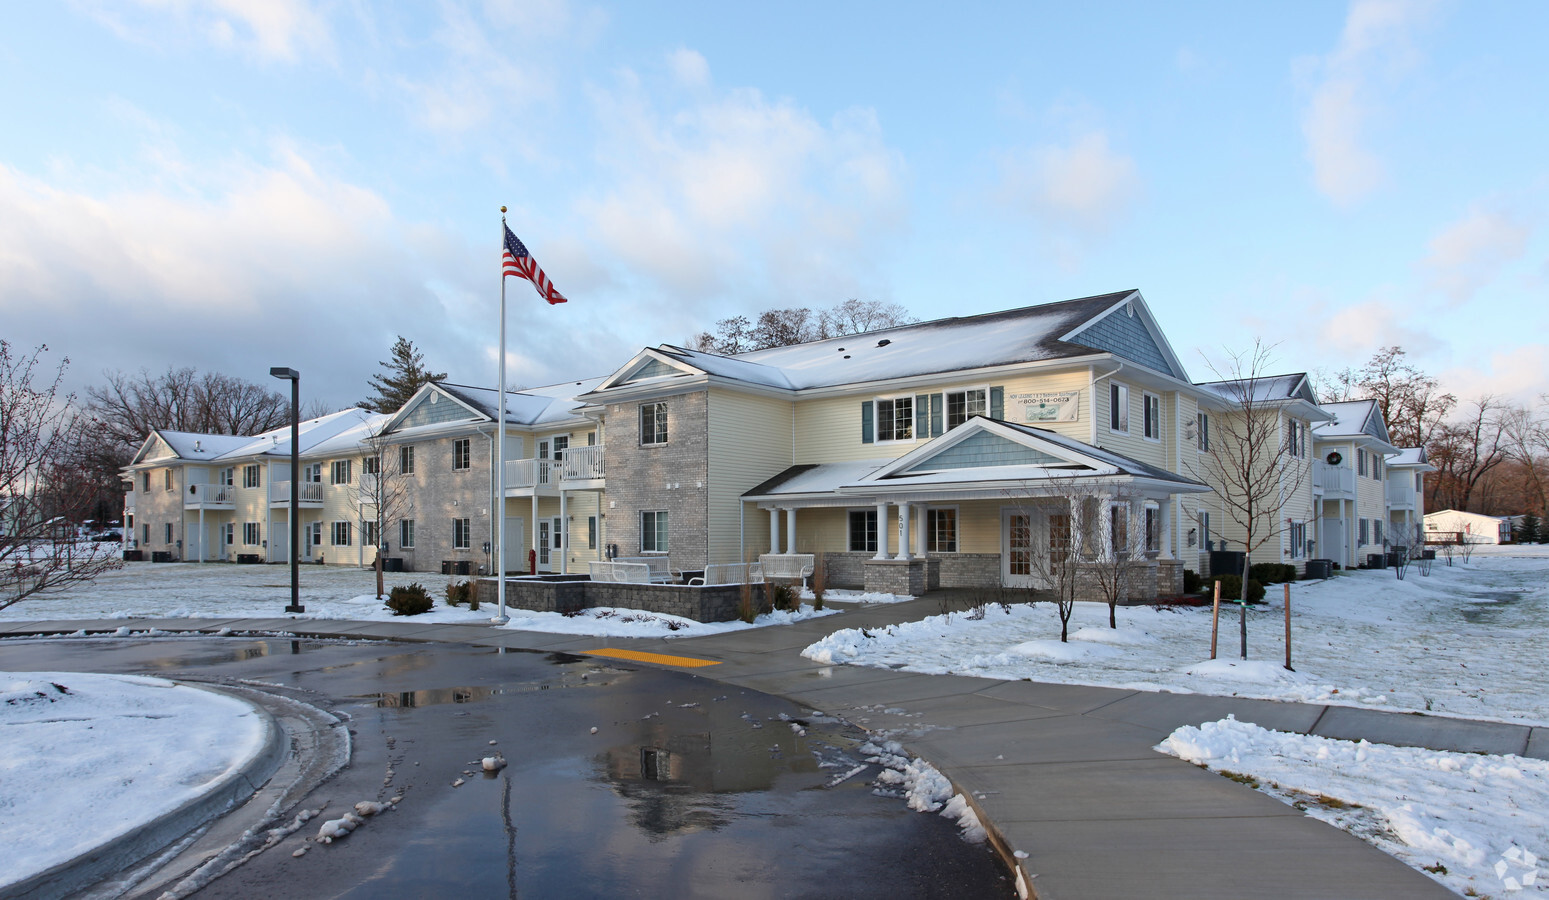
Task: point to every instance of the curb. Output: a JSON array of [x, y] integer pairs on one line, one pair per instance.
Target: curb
[[70, 876]]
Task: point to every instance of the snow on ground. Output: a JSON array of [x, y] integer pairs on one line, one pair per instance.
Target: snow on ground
[[220, 590], [1469, 640], [1478, 824], [88, 757], [863, 597]]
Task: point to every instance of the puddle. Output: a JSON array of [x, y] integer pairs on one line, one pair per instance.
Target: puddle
[[1494, 605]]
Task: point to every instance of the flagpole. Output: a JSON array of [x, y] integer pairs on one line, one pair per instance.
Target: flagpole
[[500, 447]]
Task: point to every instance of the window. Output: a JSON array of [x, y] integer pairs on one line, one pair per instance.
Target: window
[[252, 534], [1153, 409], [941, 530], [169, 533], [591, 439], [1202, 432], [560, 443], [312, 473], [653, 423], [228, 534], [963, 405], [895, 419], [339, 471], [653, 531], [1360, 464], [1118, 408], [1376, 531], [1419, 483], [462, 534], [168, 478], [1204, 529], [1296, 438], [1118, 527], [371, 465], [1298, 540], [314, 533], [863, 530], [1153, 529], [145, 484], [406, 460], [462, 450], [370, 533], [591, 532], [406, 534], [252, 476], [1376, 466], [1364, 532], [226, 477], [145, 529], [341, 534]]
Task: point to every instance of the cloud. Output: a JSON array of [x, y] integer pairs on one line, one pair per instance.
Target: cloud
[[1373, 49], [270, 30], [733, 193], [1079, 191], [689, 67], [1471, 252], [1517, 375]]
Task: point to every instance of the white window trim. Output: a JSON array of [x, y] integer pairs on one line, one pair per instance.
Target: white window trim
[[849, 533], [1122, 406], [957, 528], [640, 425], [876, 418], [946, 425], [654, 529], [1145, 398], [406, 529], [1202, 431]]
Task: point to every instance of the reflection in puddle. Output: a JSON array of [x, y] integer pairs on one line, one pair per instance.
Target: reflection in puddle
[[434, 697]]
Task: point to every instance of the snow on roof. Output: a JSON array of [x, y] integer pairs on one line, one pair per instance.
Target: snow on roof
[[191, 445], [824, 478], [1264, 389], [1125, 464], [1409, 456], [528, 406], [314, 432], [1028, 334], [1350, 419]]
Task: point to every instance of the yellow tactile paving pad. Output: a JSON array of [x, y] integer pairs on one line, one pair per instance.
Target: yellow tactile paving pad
[[661, 659]]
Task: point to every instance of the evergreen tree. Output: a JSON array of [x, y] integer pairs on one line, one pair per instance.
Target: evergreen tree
[[1529, 531], [402, 375]]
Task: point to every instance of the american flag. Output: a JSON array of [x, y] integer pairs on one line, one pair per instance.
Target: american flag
[[517, 261]]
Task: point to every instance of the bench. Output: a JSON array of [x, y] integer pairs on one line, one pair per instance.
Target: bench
[[787, 566], [633, 570], [730, 573]]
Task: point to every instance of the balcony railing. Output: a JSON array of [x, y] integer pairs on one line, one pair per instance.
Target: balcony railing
[[1401, 495], [582, 464], [210, 496], [1334, 481], [310, 493], [527, 474]]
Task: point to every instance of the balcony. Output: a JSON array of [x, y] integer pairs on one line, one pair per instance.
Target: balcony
[[1333, 482], [129, 503], [210, 496], [310, 495], [580, 469], [1401, 494]]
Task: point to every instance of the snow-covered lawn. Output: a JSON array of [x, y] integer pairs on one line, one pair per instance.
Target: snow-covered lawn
[[1476, 823], [89, 757], [219, 590], [1469, 640]]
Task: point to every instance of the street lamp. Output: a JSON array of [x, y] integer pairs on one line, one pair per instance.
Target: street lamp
[[294, 378]]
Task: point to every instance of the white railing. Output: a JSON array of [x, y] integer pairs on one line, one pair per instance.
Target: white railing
[[1335, 479], [787, 566], [730, 573], [1401, 494], [582, 464], [529, 473], [308, 492], [619, 572], [211, 495]]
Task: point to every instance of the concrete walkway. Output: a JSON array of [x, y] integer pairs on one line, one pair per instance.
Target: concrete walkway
[[1062, 773]]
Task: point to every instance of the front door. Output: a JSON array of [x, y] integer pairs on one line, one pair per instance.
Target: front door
[[516, 548], [1016, 549], [1333, 544], [311, 538], [544, 530]]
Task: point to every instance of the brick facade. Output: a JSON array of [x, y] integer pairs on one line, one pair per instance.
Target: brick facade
[[673, 476], [437, 494]]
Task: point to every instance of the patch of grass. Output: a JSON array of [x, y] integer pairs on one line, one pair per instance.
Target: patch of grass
[[1240, 778], [1437, 869]]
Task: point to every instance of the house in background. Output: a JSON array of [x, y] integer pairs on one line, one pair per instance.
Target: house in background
[[1352, 449], [1449, 526], [1406, 497]]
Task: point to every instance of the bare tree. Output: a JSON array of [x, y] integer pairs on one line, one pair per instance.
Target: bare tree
[[1250, 464], [1465, 452], [42, 494], [381, 496], [798, 325], [856, 316]]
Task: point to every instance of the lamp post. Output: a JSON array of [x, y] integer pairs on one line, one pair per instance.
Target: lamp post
[[294, 378]]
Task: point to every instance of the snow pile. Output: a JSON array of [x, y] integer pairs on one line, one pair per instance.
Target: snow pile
[[1466, 641], [865, 597], [922, 786], [604, 621], [106, 753], [1471, 821]]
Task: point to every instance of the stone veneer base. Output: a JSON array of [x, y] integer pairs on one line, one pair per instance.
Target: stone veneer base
[[573, 593]]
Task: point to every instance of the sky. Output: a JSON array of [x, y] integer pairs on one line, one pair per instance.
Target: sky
[[236, 185]]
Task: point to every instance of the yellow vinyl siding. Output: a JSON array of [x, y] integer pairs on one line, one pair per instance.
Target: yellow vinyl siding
[[749, 442]]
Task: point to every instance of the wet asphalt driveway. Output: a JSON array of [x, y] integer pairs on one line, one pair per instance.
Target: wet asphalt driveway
[[687, 788]]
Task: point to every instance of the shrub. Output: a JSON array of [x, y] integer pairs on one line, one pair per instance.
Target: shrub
[[780, 596], [1272, 573], [745, 609], [409, 600], [1191, 581], [1231, 588], [462, 592], [819, 583]]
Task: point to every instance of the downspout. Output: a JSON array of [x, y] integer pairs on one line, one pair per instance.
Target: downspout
[[498, 504], [1091, 394]]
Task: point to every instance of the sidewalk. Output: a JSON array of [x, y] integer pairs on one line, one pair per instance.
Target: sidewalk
[[1063, 773]]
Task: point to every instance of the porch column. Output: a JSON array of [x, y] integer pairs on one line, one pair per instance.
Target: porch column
[[1077, 508], [790, 530], [535, 548], [202, 541], [1164, 514], [921, 533], [774, 530], [904, 511], [564, 532], [881, 531], [1105, 524]]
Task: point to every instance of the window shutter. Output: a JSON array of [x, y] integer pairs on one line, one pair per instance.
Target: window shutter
[[935, 415], [921, 416], [997, 403], [866, 424]]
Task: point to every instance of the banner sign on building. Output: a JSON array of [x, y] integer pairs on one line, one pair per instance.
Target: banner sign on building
[[1047, 406]]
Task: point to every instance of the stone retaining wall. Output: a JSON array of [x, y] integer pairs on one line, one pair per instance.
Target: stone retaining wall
[[573, 593]]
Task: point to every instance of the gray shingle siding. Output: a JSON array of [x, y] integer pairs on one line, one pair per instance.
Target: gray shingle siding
[[1125, 336]]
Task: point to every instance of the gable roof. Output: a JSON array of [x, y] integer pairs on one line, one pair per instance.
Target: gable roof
[[1353, 419], [1118, 323]]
